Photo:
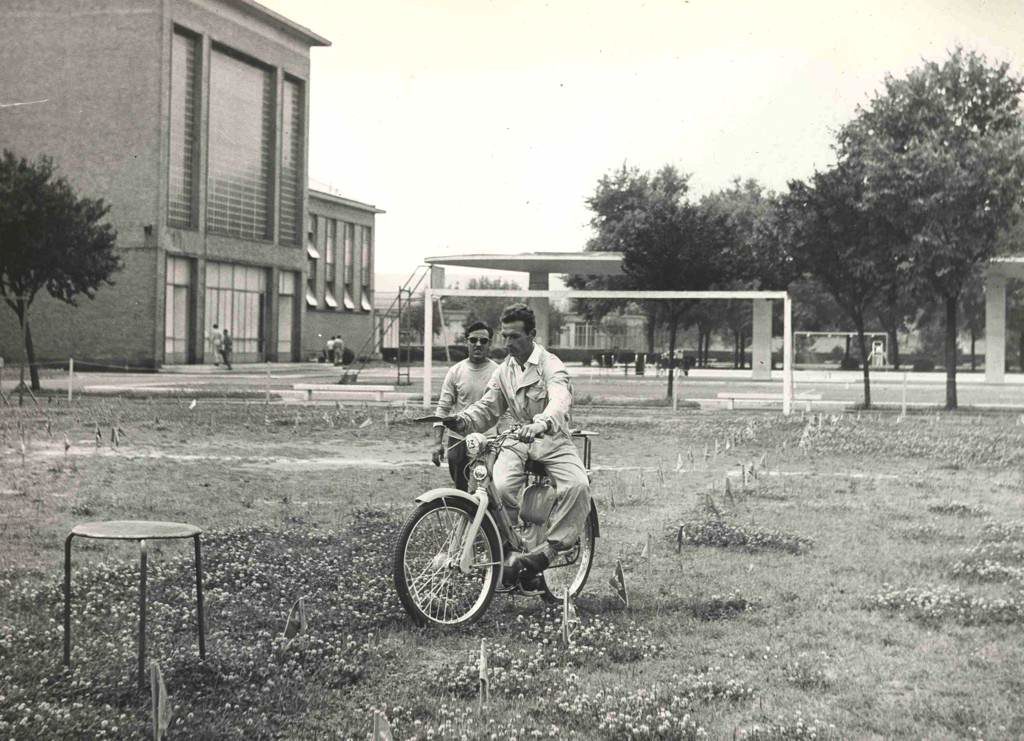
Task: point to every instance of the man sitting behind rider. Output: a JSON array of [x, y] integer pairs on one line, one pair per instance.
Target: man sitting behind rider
[[533, 388]]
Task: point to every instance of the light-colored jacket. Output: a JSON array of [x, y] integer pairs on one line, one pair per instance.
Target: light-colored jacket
[[543, 395]]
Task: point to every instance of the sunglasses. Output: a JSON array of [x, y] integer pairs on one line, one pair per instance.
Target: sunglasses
[[477, 340]]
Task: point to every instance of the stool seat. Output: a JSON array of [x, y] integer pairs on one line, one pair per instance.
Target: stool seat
[[135, 530]]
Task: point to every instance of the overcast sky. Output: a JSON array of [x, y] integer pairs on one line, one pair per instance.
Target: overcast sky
[[483, 126]]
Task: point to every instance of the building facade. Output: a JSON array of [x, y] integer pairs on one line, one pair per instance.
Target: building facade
[[338, 289], [190, 118]]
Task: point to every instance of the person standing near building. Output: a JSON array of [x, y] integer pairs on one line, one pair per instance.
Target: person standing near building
[[226, 346], [330, 350], [339, 350], [463, 385], [217, 341]]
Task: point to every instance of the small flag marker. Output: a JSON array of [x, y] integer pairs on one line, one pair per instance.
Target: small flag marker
[[569, 617], [485, 681], [381, 727], [618, 582], [161, 709], [296, 623]]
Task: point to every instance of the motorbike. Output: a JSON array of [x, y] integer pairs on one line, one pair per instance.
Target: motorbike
[[451, 552]]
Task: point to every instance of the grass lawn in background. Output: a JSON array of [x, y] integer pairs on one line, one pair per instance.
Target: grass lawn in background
[[862, 578]]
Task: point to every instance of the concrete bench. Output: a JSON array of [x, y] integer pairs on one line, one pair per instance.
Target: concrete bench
[[362, 392], [730, 398]]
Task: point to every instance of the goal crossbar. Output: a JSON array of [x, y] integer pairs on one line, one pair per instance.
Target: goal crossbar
[[429, 294]]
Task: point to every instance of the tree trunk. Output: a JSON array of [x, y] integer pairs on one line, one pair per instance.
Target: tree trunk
[[707, 348], [863, 341], [973, 340], [894, 348], [951, 302], [652, 324], [846, 353], [30, 353], [673, 323], [735, 349]]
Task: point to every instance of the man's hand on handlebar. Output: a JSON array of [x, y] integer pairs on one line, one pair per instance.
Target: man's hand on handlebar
[[529, 433], [455, 423]]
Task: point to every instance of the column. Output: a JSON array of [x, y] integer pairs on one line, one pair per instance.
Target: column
[[761, 340], [541, 307], [995, 328]]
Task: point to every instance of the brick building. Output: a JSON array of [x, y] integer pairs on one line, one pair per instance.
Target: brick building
[[189, 117]]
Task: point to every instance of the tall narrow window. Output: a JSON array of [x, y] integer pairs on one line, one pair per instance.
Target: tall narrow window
[[350, 236], [181, 173], [312, 255], [365, 268], [292, 149], [330, 273], [241, 148]]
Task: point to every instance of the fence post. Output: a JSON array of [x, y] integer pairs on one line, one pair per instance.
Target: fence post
[[71, 377]]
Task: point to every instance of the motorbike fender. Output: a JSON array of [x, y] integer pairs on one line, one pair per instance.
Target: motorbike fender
[[450, 493]]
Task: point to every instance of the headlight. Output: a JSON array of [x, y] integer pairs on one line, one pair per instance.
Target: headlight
[[480, 472], [475, 444]]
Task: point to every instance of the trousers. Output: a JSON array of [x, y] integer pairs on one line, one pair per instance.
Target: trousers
[[572, 487]]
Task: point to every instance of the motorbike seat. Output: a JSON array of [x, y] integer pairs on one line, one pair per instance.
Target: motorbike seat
[[536, 468]]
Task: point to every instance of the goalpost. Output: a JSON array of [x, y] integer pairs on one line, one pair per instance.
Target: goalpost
[[429, 294]]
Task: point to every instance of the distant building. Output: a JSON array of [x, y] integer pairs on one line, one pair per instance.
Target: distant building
[[189, 117]]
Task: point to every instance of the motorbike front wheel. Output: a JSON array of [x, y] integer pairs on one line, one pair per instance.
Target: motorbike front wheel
[[432, 587]]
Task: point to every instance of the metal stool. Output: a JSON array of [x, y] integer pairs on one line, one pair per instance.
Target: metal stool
[[140, 530]]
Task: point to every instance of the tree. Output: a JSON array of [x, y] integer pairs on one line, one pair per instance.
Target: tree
[[758, 258], [49, 239], [841, 245], [942, 155], [667, 242]]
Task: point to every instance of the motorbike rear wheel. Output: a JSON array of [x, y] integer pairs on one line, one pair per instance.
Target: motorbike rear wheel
[[571, 569], [432, 588]]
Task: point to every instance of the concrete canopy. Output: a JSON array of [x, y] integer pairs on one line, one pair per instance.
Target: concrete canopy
[[587, 263]]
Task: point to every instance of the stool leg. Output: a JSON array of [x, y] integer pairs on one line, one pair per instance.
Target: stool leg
[[67, 600], [199, 600], [142, 615]]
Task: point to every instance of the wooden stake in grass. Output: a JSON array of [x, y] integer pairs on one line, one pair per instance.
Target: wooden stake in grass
[[115, 438], [679, 463], [98, 435], [485, 681], [381, 727], [679, 538], [618, 582], [67, 445], [161, 708]]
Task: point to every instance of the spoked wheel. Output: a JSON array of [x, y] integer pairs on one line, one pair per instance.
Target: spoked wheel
[[432, 587], [572, 568]]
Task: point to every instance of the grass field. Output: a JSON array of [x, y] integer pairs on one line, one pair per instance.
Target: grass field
[[865, 581]]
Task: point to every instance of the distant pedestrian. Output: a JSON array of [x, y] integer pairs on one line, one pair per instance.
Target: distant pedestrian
[[225, 348], [330, 351], [339, 350], [217, 340]]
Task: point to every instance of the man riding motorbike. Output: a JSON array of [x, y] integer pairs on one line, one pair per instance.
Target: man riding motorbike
[[533, 387]]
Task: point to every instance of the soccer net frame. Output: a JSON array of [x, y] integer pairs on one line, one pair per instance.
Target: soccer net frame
[[429, 294]]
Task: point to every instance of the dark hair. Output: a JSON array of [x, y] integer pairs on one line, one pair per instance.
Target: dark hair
[[519, 313], [479, 325]]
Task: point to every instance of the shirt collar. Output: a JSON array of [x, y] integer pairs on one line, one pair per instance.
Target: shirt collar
[[534, 357]]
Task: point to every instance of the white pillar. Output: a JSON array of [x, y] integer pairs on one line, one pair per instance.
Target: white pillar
[[428, 344], [995, 328], [761, 340], [541, 308], [787, 355]]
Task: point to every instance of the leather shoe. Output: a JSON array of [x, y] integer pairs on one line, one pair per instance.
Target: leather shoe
[[532, 563], [531, 584]]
